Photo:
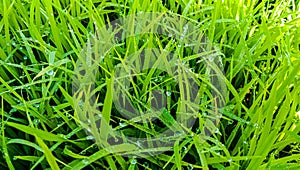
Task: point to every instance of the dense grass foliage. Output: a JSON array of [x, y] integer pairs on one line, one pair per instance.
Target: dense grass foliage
[[41, 40]]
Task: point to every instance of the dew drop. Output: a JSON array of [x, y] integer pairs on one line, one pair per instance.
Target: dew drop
[[177, 133], [36, 105], [146, 164], [36, 121], [123, 124], [133, 161], [190, 167], [168, 93], [116, 140], [256, 125], [68, 115], [138, 143], [85, 162], [230, 160], [197, 130], [50, 73], [89, 137]]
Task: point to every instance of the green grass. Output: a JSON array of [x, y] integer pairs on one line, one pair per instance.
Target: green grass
[[42, 40]]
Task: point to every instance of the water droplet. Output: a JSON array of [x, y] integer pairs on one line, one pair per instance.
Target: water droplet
[[85, 162], [133, 161], [146, 164], [89, 130], [14, 44], [25, 57], [256, 125], [36, 121], [21, 48], [168, 93], [50, 73], [177, 133], [191, 70], [36, 105], [230, 160], [89, 137], [186, 27], [102, 57], [138, 143], [190, 167], [245, 142], [123, 124], [15, 158]]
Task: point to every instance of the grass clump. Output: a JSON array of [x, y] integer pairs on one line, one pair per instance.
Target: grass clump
[[41, 42]]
